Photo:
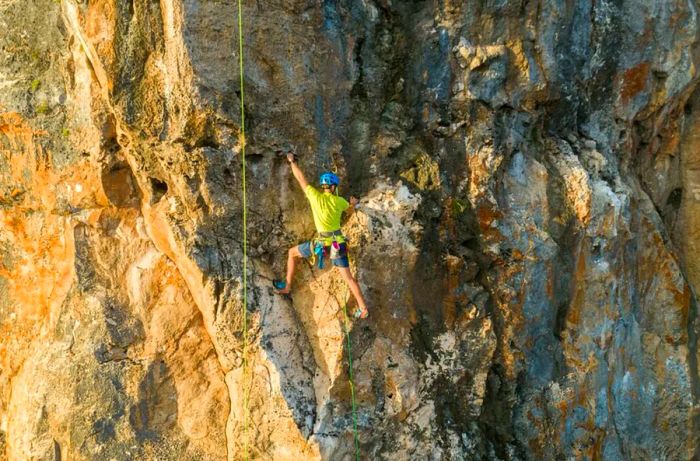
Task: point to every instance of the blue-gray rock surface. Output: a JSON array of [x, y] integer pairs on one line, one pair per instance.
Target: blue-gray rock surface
[[528, 237]]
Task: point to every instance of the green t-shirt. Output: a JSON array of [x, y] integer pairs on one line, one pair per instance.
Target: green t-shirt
[[327, 209]]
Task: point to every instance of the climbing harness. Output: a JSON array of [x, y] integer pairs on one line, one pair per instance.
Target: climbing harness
[[335, 233], [320, 251], [244, 308]]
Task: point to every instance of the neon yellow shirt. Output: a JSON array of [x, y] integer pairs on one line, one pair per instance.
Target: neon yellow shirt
[[327, 209]]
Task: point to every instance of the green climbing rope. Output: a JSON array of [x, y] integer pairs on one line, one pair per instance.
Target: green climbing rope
[[351, 378], [350, 373], [352, 383], [244, 308]]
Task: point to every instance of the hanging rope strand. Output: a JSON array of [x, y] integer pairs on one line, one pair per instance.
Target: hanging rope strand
[[351, 378], [244, 308], [352, 383]]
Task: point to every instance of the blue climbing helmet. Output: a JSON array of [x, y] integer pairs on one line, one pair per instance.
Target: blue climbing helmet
[[329, 179]]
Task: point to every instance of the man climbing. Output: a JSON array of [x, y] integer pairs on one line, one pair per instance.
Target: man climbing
[[327, 208]]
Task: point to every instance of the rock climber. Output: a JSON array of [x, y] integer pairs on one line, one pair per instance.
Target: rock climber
[[327, 208]]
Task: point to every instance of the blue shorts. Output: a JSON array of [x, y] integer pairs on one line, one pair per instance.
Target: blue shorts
[[341, 261]]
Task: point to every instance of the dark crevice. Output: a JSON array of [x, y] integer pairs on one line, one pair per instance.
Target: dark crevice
[[158, 189], [207, 141], [358, 89], [674, 198]]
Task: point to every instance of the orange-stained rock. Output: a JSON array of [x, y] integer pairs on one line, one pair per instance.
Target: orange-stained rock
[[526, 239]]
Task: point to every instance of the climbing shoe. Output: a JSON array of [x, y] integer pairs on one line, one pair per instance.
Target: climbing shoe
[[280, 285], [360, 314]]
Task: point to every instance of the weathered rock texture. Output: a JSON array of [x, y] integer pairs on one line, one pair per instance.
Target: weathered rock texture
[[529, 235]]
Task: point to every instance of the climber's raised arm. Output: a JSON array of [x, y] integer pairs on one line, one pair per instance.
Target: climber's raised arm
[[296, 171]]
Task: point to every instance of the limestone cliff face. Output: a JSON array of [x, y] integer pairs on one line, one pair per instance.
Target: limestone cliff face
[[529, 174]]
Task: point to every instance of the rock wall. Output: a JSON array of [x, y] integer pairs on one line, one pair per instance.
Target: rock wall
[[527, 238]]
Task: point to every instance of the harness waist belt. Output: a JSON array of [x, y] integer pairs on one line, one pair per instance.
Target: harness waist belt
[[330, 233]]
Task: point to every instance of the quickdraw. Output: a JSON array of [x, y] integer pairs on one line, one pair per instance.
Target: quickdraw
[[318, 253]]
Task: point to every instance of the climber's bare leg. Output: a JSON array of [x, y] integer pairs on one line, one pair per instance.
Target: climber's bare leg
[[292, 256], [354, 286]]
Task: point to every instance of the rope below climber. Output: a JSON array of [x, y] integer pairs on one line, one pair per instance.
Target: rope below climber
[[327, 208]]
